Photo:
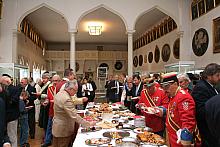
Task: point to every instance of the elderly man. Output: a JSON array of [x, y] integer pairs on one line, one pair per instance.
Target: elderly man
[[51, 92], [12, 105], [153, 96], [65, 115], [202, 92], [184, 82], [180, 120]]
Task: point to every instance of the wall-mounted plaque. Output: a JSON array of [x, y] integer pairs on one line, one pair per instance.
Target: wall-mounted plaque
[[150, 57], [194, 10], [209, 4], [166, 52], [140, 60], [200, 42], [216, 43], [157, 54], [135, 61], [145, 58], [217, 2], [77, 66], [102, 72], [176, 48], [201, 6], [118, 65]]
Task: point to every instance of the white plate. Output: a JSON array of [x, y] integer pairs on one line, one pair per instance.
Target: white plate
[[151, 110]]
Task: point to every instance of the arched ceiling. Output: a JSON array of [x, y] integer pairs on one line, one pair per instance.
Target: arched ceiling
[[54, 28]]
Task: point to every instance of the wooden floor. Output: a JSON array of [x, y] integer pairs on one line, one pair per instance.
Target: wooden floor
[[38, 138]]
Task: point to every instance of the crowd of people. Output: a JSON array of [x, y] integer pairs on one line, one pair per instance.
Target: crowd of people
[[185, 105]]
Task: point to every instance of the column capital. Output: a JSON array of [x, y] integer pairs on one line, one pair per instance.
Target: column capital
[[130, 32], [180, 34], [72, 31]]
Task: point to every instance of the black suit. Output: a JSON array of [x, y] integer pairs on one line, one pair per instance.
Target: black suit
[[3, 129], [134, 94], [201, 93], [213, 117], [112, 88]]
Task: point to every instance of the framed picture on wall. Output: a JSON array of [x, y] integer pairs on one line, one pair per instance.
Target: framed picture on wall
[[201, 6], [209, 4], [216, 32], [194, 11], [101, 72]]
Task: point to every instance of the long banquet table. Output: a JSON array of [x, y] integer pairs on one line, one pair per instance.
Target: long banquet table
[[82, 136]]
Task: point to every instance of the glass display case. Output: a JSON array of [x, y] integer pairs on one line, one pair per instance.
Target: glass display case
[[14, 70], [181, 67]]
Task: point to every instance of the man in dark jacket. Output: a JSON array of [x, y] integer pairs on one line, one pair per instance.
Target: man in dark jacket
[[12, 105], [202, 92], [212, 107]]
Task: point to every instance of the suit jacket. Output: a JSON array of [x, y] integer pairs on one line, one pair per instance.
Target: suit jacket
[[3, 129], [12, 104], [112, 91], [213, 117], [133, 90], [65, 115], [201, 93]]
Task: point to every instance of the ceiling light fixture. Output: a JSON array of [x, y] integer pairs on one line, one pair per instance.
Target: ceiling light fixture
[[95, 29]]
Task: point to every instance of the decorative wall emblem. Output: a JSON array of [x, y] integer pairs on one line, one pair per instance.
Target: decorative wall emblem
[[157, 54], [150, 57], [118, 65], [200, 42], [140, 60], [176, 48], [135, 61], [104, 65], [77, 66], [166, 52]]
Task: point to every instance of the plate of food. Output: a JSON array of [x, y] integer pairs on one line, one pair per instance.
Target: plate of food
[[97, 141], [116, 134], [91, 129], [150, 138], [106, 124], [151, 110], [141, 130]]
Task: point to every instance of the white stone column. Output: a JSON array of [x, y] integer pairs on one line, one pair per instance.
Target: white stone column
[[14, 47], [130, 52], [73, 50], [184, 31]]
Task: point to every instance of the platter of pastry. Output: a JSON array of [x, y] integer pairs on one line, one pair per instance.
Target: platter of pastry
[[150, 138], [106, 124], [116, 134], [97, 141]]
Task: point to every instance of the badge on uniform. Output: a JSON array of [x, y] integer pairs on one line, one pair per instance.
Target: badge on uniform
[[185, 105]]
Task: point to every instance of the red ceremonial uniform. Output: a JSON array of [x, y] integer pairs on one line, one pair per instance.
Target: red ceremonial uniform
[[158, 98], [180, 115], [51, 91]]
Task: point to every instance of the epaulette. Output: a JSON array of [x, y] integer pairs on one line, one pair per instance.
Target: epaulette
[[182, 91]]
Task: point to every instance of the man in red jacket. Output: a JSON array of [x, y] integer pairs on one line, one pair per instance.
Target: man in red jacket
[[180, 120], [153, 96]]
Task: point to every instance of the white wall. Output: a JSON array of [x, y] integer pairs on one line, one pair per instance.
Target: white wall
[[30, 52], [156, 67], [206, 22]]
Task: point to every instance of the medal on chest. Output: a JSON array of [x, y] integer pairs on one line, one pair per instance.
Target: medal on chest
[[172, 109]]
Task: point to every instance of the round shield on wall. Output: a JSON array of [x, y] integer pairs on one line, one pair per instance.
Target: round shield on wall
[[176, 48], [104, 65], [77, 66], [157, 54], [118, 65], [166, 52], [200, 42], [140, 60], [135, 61], [150, 57]]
